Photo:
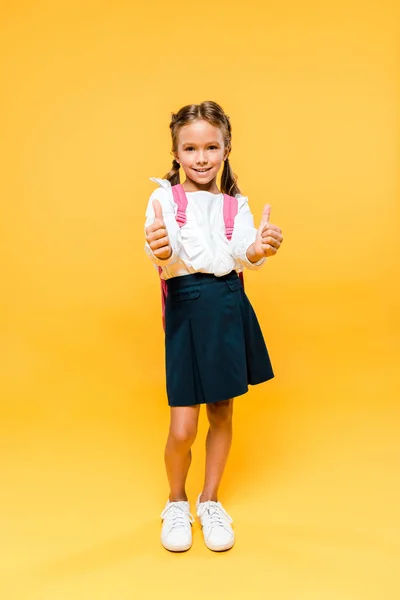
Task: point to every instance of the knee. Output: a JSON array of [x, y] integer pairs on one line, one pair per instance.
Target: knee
[[220, 413], [183, 436]]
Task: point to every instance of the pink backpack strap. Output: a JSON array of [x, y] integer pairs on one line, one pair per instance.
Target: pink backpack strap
[[181, 201], [164, 294], [230, 212]]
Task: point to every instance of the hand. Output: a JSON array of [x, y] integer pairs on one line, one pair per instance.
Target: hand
[[268, 239], [157, 235]]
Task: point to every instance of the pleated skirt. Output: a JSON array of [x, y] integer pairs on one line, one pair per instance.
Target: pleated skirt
[[214, 347]]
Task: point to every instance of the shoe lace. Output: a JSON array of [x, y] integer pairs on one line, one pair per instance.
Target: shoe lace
[[177, 515], [216, 513]]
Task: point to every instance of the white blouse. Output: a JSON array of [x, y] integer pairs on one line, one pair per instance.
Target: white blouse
[[201, 244]]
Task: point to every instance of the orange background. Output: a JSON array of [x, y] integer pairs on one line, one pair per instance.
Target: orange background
[[312, 481]]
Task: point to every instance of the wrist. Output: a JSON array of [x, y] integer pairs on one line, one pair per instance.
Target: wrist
[[252, 255]]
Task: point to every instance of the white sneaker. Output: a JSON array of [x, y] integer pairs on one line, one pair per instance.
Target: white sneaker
[[216, 525], [176, 533]]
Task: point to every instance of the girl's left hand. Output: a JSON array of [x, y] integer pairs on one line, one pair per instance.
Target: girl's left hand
[[269, 238]]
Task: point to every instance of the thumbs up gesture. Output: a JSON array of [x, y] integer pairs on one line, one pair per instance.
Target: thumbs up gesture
[[157, 234], [268, 239]]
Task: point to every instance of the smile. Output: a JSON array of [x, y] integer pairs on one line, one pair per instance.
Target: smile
[[202, 170]]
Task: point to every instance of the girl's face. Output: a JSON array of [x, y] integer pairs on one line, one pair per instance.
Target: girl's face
[[201, 152]]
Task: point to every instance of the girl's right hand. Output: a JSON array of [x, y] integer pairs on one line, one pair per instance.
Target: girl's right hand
[[157, 234]]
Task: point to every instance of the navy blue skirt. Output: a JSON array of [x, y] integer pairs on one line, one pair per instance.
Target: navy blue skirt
[[214, 347]]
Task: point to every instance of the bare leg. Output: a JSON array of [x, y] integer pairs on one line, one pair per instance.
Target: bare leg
[[178, 455], [218, 444]]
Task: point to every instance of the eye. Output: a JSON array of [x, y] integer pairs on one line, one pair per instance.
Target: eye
[[189, 148], [213, 148]]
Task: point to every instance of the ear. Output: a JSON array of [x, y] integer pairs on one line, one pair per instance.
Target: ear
[[175, 156], [226, 153]]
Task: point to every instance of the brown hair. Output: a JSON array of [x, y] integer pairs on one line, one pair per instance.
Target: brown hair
[[214, 114]]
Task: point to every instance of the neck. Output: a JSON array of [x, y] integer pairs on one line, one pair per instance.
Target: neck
[[192, 186]]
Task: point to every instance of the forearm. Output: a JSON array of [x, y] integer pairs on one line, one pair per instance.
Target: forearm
[[245, 255], [243, 239], [162, 232]]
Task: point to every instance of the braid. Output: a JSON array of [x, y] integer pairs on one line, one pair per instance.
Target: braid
[[228, 126], [173, 175], [228, 180]]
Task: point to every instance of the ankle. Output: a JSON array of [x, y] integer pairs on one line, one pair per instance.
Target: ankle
[[205, 497], [178, 498]]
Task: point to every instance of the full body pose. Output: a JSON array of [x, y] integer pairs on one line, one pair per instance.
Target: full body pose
[[213, 342]]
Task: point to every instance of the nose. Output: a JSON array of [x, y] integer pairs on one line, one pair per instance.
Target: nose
[[201, 158]]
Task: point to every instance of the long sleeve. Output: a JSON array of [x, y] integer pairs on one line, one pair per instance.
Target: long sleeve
[[164, 196], [244, 234]]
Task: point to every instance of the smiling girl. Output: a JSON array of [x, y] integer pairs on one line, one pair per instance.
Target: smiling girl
[[200, 238]]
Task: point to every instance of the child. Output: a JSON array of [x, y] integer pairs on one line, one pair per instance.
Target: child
[[213, 343]]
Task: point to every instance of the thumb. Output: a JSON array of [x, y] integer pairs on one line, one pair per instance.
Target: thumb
[[266, 214], [158, 214]]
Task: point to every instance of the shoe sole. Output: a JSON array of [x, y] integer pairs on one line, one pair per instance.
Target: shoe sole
[[220, 548], [177, 548]]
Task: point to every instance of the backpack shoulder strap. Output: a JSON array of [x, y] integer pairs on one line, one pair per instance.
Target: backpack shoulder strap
[[230, 212], [164, 294], [181, 201]]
